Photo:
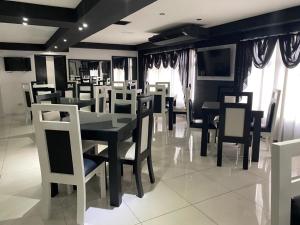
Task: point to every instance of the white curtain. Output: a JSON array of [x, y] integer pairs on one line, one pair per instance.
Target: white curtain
[[192, 71], [119, 74], [276, 76], [168, 75]]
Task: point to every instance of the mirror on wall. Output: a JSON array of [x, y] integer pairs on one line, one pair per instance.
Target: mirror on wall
[[89, 71], [124, 68]]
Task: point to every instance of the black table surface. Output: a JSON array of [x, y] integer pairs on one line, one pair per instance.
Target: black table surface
[[76, 101]]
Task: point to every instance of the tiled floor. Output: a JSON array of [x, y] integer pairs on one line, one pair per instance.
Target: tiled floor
[[189, 189]]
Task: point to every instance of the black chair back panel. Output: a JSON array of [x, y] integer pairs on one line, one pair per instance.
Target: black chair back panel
[[59, 150], [27, 97], [101, 104], [119, 96], [157, 104], [123, 108]]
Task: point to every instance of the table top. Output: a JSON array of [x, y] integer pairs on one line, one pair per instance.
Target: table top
[[103, 126], [215, 107], [76, 101]]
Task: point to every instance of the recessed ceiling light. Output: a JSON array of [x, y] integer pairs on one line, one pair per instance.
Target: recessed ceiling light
[[25, 19], [55, 46], [198, 19], [65, 40], [162, 14], [80, 28], [85, 25], [25, 24]]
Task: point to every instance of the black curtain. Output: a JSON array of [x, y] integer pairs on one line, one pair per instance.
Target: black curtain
[[290, 50], [157, 61], [262, 51], [165, 57], [119, 63], [243, 63]]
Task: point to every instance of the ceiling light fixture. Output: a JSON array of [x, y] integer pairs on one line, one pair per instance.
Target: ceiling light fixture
[[85, 25], [55, 46], [25, 19], [80, 28], [65, 40], [25, 24], [162, 14], [199, 19]]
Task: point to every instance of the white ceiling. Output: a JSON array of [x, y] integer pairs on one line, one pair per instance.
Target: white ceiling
[[58, 3], [18, 33], [212, 12]]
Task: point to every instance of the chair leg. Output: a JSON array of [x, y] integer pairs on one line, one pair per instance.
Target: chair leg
[[102, 181], [46, 206], [122, 170], [219, 154], [81, 203], [246, 156], [138, 180], [150, 169]]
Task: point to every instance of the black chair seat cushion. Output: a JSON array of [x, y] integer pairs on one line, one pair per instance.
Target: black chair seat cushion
[[295, 210], [90, 165]]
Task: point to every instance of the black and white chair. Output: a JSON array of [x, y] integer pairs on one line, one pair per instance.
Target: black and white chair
[[71, 90], [85, 92], [134, 153], [185, 108], [167, 86], [61, 155], [268, 128], [123, 101], [100, 97], [28, 100], [235, 124], [131, 84]]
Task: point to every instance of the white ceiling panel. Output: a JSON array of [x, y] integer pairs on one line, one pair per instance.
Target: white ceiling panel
[[58, 3], [212, 12], [18, 33]]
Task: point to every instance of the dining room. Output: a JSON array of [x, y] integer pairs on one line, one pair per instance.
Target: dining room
[[149, 112]]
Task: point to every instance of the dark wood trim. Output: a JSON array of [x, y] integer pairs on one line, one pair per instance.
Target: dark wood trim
[[99, 14], [42, 15], [22, 46], [105, 46]]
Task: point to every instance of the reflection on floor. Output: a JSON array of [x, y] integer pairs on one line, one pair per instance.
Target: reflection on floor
[[189, 189]]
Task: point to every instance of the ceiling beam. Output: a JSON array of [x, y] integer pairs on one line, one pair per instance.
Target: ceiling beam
[[105, 46], [13, 12], [22, 46], [98, 14], [277, 18]]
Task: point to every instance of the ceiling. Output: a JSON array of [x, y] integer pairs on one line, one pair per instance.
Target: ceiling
[[147, 21], [58, 3], [18, 33]]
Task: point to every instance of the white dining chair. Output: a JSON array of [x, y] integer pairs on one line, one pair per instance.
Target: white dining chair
[[118, 85], [167, 86], [123, 101], [100, 98], [85, 92], [27, 100], [61, 156]]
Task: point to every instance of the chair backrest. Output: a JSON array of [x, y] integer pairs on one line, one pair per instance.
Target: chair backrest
[[284, 185], [272, 112], [100, 97], [27, 94], [235, 119], [59, 144], [144, 126], [85, 92], [131, 84], [118, 85], [71, 90], [159, 98], [53, 98], [167, 86], [41, 91], [123, 101], [187, 99]]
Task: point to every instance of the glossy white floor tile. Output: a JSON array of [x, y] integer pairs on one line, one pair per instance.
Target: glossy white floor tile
[[189, 189]]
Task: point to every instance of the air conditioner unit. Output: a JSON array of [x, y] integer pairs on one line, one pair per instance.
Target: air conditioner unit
[[179, 35]]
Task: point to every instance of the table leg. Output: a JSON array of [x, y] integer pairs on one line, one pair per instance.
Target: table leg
[[256, 139], [114, 173], [170, 113], [204, 135]]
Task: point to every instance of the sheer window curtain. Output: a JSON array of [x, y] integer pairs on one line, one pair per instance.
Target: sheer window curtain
[[276, 76], [119, 74], [168, 75]]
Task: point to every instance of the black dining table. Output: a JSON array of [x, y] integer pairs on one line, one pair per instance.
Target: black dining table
[[211, 109], [112, 128], [76, 101]]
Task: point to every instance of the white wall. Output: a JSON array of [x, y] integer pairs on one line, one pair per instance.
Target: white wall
[[11, 98]]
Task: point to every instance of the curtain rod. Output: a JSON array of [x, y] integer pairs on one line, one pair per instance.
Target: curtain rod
[[274, 35], [163, 51]]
